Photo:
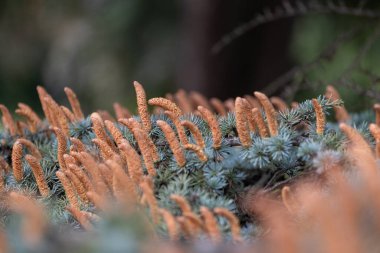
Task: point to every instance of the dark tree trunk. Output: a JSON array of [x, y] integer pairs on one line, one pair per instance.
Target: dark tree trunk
[[247, 64]]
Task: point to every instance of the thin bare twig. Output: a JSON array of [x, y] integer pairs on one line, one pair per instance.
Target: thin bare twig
[[327, 54], [289, 10], [356, 65]]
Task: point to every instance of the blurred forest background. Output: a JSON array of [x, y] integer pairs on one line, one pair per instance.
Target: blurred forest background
[[98, 47]]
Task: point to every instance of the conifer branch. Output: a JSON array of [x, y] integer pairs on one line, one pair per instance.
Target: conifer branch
[[375, 131], [270, 113], [197, 150], [91, 167], [166, 104], [142, 106], [376, 107], [69, 115], [82, 176], [135, 169], [122, 185], [97, 200], [58, 115], [17, 155], [42, 94], [341, 113], [75, 104], [133, 126], [171, 224], [79, 146], [183, 101], [31, 147], [4, 166], [320, 117], [115, 132], [38, 174], [241, 123], [106, 151], [69, 160], [199, 100], [259, 120], [233, 220], [151, 199], [279, 104], [173, 142], [62, 147], [195, 222], [253, 101], [99, 129], [194, 130], [8, 120], [210, 224], [82, 219], [285, 196], [182, 203], [360, 150], [211, 120], [121, 112], [33, 120], [230, 104], [146, 151], [218, 106], [185, 227], [2, 181], [249, 115], [107, 175], [69, 189], [180, 130], [78, 185]]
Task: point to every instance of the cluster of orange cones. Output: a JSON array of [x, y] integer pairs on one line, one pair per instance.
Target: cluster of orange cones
[[125, 175]]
